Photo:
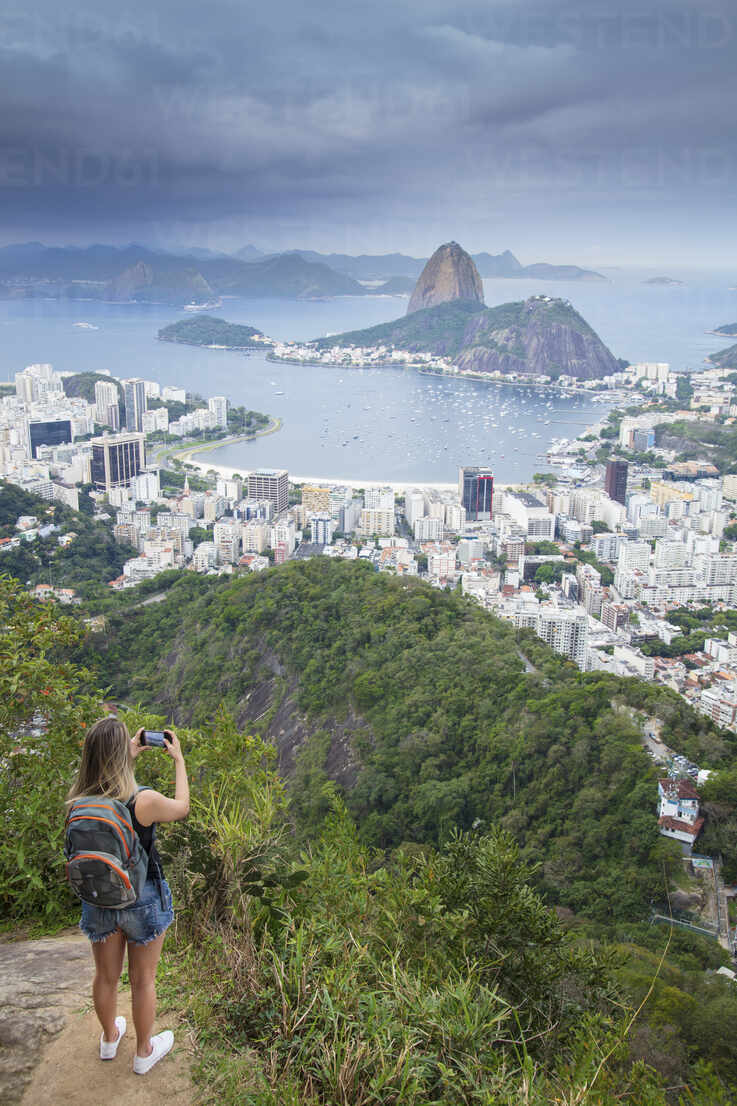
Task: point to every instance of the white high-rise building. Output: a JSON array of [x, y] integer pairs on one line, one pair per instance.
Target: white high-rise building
[[414, 506], [379, 499], [205, 556], [323, 527], [565, 631], [134, 391], [227, 539], [219, 407], [283, 539], [633, 554], [229, 489], [376, 520], [38, 382], [145, 487], [106, 396], [155, 420], [605, 547], [428, 529]]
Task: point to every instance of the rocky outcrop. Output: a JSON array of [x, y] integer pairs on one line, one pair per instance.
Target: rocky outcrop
[[143, 282], [449, 275], [540, 336], [549, 338], [40, 982]]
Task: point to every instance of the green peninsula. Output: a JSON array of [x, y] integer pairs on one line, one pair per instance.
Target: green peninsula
[[540, 335], [725, 358]]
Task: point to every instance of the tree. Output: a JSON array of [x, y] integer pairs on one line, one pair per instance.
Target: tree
[[43, 713]]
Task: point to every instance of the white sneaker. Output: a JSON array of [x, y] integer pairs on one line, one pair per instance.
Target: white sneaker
[[108, 1049], [160, 1045]]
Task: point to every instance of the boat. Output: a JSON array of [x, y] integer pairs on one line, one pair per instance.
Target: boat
[[86, 326]]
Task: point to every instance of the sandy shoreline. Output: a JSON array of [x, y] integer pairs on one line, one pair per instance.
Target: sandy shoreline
[[322, 481], [398, 486]]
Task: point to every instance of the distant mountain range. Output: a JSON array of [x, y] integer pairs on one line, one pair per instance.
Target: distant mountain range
[[534, 336], [197, 275], [384, 266]]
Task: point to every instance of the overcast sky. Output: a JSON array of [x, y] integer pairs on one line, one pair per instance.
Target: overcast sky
[[565, 131]]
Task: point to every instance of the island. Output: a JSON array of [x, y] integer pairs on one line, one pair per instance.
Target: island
[[729, 329], [663, 281], [206, 330]]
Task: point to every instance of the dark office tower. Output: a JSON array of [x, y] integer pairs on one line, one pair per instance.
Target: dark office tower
[[615, 481], [56, 432], [116, 459], [135, 403], [476, 492]]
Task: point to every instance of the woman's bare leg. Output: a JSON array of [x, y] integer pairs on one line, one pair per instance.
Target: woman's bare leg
[[108, 956], [142, 963]]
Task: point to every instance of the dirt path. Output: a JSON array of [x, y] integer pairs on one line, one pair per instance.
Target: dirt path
[[71, 1070], [50, 1036]]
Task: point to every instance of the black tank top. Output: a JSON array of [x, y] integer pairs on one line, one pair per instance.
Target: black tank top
[[147, 837]]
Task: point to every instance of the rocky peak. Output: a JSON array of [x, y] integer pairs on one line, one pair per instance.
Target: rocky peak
[[450, 274]]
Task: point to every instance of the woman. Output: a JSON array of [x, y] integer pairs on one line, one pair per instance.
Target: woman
[[107, 769]]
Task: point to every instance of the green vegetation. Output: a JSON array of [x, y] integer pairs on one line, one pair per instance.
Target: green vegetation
[[679, 645], [589, 558], [702, 440], [243, 421], [451, 328], [90, 560], [726, 358], [174, 481], [327, 973], [7, 390], [83, 385], [206, 330], [542, 548], [439, 329], [447, 727], [175, 407], [728, 328]]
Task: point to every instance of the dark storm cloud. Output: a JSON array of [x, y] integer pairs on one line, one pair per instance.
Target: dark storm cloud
[[157, 114]]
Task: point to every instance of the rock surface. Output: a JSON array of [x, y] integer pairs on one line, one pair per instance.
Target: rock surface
[[449, 275], [41, 982], [548, 338], [49, 1035]]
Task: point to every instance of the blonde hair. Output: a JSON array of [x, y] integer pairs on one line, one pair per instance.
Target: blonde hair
[[107, 766]]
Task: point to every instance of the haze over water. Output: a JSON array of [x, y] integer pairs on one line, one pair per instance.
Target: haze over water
[[386, 424]]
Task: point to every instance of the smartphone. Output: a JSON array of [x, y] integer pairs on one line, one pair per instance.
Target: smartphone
[[155, 738]]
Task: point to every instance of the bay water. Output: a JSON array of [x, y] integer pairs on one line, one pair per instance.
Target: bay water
[[376, 424]]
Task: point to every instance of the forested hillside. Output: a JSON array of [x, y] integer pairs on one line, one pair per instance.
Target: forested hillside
[[91, 558], [418, 704], [313, 969]]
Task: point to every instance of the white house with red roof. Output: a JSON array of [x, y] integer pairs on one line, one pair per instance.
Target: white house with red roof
[[679, 810]]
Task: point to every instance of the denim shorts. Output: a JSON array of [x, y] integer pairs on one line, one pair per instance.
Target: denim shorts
[[151, 916]]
